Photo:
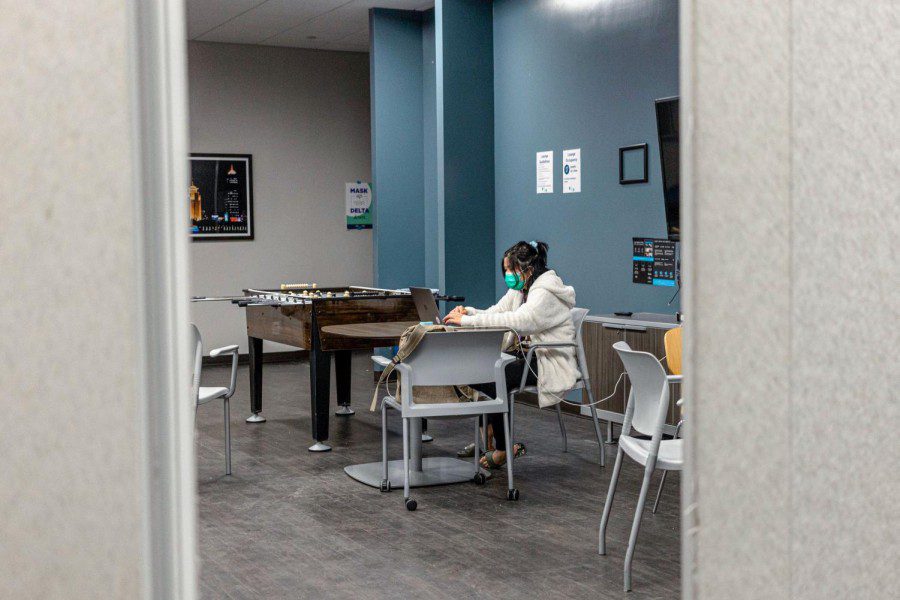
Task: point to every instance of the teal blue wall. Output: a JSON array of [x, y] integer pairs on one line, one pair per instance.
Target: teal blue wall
[[395, 63], [465, 40], [583, 75], [433, 152], [464, 95]]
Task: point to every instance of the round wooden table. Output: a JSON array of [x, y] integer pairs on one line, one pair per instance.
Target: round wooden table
[[389, 331]]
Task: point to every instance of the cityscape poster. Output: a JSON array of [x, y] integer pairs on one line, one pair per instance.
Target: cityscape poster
[[221, 196]]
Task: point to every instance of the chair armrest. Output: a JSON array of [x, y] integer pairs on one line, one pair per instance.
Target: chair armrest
[[233, 351], [674, 378], [381, 361], [224, 350], [504, 360], [552, 345], [532, 348]]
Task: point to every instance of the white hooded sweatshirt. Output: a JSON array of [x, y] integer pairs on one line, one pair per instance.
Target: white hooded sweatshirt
[[545, 317]]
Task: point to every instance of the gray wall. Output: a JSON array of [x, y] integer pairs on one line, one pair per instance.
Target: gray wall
[[304, 116], [793, 411], [70, 442], [583, 75]]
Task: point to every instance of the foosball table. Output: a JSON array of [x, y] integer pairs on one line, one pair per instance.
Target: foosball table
[[296, 315]]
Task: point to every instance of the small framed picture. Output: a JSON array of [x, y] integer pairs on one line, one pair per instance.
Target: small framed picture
[[633, 164], [221, 197]]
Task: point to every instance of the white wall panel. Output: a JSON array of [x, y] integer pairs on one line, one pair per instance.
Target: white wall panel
[[70, 474]]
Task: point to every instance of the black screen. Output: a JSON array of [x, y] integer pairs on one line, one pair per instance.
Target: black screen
[[667, 128]]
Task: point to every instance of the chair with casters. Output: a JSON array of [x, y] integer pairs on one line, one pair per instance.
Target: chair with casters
[[648, 404], [443, 358], [672, 342], [583, 382], [202, 395]]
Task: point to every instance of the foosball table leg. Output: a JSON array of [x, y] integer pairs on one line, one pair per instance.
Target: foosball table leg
[[342, 363], [255, 355]]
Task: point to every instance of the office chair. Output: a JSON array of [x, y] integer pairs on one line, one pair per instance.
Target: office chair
[[583, 382], [442, 358], [672, 342], [202, 395], [648, 404]]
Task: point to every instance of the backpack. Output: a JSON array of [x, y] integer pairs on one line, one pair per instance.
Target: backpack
[[422, 394]]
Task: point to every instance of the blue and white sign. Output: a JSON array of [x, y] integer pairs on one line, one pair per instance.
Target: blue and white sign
[[572, 171]]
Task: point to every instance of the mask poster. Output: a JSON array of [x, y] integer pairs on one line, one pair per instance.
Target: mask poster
[[359, 205], [221, 197]]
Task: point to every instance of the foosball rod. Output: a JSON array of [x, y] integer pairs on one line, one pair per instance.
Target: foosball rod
[[215, 298]]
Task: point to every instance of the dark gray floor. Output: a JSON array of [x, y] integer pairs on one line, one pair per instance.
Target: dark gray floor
[[291, 524]]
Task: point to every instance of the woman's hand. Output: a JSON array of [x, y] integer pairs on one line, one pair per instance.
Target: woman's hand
[[454, 317]]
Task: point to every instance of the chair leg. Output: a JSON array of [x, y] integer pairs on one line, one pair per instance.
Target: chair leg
[[600, 445], [475, 453], [636, 525], [662, 482], [405, 458], [562, 427], [512, 412], [384, 458], [607, 507], [227, 437], [512, 493]]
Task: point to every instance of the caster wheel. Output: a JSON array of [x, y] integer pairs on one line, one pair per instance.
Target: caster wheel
[[512, 494], [385, 485], [479, 478], [411, 504]]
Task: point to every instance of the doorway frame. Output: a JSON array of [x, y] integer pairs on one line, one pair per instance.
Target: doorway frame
[[158, 84]]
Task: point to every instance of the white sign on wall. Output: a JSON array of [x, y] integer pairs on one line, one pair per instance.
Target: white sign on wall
[[359, 205], [545, 172], [572, 171]]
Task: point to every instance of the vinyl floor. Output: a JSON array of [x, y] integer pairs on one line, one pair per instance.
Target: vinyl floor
[[291, 524]]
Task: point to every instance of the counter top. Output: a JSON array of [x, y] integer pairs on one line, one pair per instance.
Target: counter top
[[638, 319]]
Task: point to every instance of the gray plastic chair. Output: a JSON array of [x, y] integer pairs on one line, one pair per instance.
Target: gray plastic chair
[[583, 382], [457, 357], [648, 404], [202, 395]]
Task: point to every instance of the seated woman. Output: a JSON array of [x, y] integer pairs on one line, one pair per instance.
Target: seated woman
[[537, 306]]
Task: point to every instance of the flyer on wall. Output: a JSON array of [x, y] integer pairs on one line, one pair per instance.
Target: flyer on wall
[[359, 205], [221, 196]]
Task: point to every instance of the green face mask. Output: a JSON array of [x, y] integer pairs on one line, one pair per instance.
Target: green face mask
[[513, 281]]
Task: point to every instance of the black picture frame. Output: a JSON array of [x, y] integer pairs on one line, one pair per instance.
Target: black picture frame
[[632, 180], [206, 169]]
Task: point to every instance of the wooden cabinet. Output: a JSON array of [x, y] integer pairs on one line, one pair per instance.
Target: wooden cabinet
[[606, 369]]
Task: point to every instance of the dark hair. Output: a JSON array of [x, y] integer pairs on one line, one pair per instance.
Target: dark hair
[[525, 256]]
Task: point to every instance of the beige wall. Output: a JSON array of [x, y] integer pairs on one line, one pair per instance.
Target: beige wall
[[304, 116], [793, 298], [70, 476]]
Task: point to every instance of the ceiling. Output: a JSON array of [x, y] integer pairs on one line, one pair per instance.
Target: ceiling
[[320, 24]]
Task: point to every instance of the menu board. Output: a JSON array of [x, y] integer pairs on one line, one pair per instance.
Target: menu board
[[654, 261], [221, 196]]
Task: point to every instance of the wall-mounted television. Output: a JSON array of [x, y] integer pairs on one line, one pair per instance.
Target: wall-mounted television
[[667, 128]]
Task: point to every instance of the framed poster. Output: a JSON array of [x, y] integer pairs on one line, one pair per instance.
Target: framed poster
[[633, 164], [221, 197]]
